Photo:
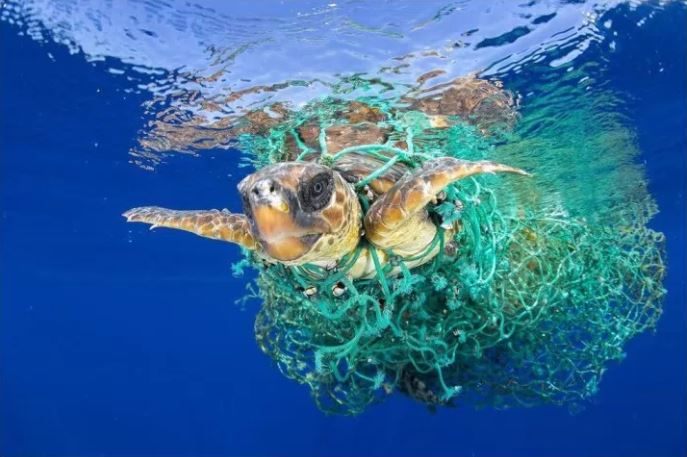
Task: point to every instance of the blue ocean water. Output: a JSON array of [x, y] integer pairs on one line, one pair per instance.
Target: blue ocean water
[[115, 341]]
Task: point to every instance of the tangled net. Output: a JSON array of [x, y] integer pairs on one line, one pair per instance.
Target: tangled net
[[528, 309]]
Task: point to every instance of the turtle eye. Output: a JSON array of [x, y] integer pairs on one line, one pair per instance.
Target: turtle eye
[[316, 193]]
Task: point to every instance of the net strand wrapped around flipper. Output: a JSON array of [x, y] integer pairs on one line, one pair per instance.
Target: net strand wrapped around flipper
[[527, 307]]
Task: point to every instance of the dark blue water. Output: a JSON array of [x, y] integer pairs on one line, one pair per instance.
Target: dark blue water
[[117, 342]]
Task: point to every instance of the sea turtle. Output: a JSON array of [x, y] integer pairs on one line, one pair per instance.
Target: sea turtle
[[307, 212]]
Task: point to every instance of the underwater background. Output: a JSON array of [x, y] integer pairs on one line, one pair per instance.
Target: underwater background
[[117, 341]]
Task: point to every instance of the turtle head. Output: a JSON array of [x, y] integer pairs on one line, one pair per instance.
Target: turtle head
[[301, 212]]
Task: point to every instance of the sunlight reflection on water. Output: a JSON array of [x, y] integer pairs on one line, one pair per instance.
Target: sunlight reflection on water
[[230, 59]]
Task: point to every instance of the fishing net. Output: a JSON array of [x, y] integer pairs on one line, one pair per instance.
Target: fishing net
[[526, 304]]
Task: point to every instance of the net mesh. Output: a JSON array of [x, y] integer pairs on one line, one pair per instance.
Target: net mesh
[[528, 307]]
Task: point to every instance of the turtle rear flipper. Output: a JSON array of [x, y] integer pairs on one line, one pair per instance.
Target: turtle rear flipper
[[215, 224]]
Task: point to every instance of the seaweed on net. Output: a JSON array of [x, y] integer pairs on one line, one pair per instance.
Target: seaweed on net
[[528, 307]]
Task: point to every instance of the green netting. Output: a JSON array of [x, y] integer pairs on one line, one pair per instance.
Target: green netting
[[527, 307]]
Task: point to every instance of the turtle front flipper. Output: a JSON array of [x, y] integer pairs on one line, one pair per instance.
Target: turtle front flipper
[[397, 221], [215, 224]]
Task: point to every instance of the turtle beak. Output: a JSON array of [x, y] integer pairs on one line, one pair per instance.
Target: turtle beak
[[274, 224], [266, 192], [269, 209]]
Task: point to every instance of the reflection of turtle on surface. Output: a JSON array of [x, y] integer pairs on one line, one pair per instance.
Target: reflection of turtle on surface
[[306, 209]]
